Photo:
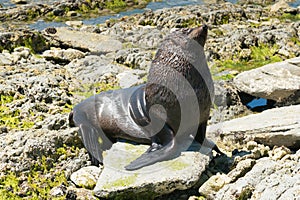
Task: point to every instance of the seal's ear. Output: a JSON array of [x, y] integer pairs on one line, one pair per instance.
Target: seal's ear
[[199, 34], [71, 121]]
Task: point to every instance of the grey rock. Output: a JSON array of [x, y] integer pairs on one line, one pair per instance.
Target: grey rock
[[91, 69], [19, 150], [276, 81], [160, 178], [74, 23], [213, 185], [86, 177], [58, 191], [278, 126], [134, 58], [63, 55], [92, 42], [282, 4], [268, 179], [130, 78], [81, 193], [5, 60]]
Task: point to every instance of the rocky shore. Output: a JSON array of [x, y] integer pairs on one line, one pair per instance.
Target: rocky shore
[[253, 52]]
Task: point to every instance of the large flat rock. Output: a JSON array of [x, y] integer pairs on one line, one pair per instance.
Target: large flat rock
[[278, 126], [160, 178], [276, 81], [93, 42]]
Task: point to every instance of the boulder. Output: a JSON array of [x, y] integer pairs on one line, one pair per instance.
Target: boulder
[[268, 179], [148, 182], [63, 55], [86, 177], [276, 81], [282, 4], [130, 78], [92, 42], [278, 126]]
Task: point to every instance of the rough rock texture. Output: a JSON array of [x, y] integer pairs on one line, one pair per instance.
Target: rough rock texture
[[93, 69], [86, 177], [92, 42], [131, 78], [276, 81], [160, 178], [278, 126], [268, 179], [62, 55], [23, 148]]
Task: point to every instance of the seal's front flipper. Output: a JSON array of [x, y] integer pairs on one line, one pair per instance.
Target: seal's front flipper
[[92, 142], [163, 147], [153, 155], [93, 137]]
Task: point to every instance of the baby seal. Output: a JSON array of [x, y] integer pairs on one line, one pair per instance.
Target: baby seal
[[168, 112]]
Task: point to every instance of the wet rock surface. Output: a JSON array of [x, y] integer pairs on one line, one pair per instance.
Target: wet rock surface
[[43, 74]]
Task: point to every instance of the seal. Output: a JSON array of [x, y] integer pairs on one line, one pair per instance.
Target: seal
[[168, 112]]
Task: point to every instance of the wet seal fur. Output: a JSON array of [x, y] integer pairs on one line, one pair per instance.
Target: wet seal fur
[[169, 112]]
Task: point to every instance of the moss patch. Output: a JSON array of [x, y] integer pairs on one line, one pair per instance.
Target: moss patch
[[289, 16], [115, 4], [11, 118], [37, 183], [178, 165], [122, 182], [89, 90], [260, 55]]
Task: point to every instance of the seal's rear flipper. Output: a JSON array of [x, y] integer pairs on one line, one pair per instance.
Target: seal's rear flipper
[[150, 157]]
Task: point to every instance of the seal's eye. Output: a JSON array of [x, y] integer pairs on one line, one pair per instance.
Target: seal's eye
[[186, 30]]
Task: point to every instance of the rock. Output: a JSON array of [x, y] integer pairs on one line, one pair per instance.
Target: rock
[[19, 1], [74, 23], [63, 55], [133, 58], [86, 177], [210, 188], [19, 150], [268, 179], [58, 191], [279, 152], [92, 42], [22, 52], [130, 78], [72, 14], [5, 60], [214, 184], [278, 126], [93, 69], [276, 81], [80, 194], [281, 4], [160, 178]]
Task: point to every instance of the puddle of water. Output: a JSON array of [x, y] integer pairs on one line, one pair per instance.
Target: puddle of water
[[257, 103]]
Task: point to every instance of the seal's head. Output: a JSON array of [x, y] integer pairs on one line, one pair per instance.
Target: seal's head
[[199, 34]]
